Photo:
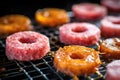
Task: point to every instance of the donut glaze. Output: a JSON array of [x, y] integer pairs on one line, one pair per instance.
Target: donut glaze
[[76, 60], [26, 46], [51, 17], [111, 5], [110, 26], [110, 48], [10, 24], [88, 11], [85, 34], [113, 70]]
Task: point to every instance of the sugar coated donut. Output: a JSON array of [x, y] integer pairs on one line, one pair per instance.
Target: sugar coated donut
[[110, 48], [14, 23], [113, 70], [51, 17], [85, 34], [76, 60], [26, 45], [112, 5], [110, 26], [89, 11]]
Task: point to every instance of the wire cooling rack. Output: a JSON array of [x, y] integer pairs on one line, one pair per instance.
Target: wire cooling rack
[[42, 69]]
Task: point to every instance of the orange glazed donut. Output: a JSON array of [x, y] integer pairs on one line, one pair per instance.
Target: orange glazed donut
[[14, 23], [110, 48], [51, 17], [76, 60]]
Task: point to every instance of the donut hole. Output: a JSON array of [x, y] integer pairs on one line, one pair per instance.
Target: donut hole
[[27, 40], [116, 22], [76, 56], [46, 14], [79, 30]]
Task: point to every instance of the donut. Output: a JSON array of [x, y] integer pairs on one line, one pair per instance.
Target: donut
[[51, 17], [88, 11], [113, 70], [110, 26], [82, 33], [10, 24], [111, 5], [26, 46], [76, 60], [110, 48]]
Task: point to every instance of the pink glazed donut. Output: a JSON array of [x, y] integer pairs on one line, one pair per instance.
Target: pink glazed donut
[[84, 34], [110, 26], [113, 71], [111, 5], [26, 46], [89, 11]]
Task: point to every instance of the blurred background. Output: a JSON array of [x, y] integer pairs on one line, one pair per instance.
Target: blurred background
[[28, 7]]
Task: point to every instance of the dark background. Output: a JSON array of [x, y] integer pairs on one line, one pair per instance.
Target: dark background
[[28, 7]]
